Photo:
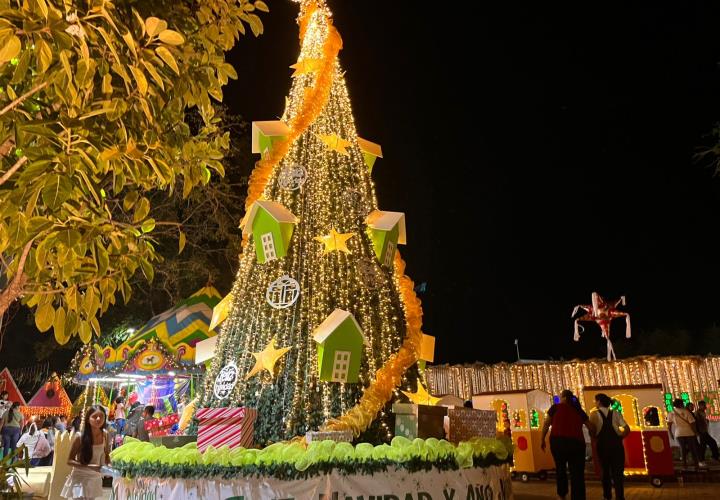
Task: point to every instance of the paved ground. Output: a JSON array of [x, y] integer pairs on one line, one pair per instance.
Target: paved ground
[[539, 490]]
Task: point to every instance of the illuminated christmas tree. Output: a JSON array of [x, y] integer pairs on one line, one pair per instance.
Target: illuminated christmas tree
[[323, 324]]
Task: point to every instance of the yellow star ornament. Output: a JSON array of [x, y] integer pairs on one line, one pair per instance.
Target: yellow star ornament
[[335, 143], [266, 359], [335, 241], [306, 66], [422, 396]]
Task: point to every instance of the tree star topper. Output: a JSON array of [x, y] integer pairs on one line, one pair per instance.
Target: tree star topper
[[421, 396], [335, 143], [335, 241], [266, 359]]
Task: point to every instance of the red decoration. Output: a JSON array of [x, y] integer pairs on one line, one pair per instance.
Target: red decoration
[[232, 427], [161, 426], [602, 313], [522, 443], [7, 383]]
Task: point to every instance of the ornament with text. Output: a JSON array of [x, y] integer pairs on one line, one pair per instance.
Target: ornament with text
[[226, 380]]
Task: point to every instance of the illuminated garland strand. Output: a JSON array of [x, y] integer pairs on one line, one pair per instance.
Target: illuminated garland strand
[[314, 101]]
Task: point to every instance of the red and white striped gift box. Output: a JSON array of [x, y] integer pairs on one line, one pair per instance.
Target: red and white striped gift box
[[232, 427]]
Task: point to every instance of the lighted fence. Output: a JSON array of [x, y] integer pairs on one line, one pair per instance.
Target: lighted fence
[[690, 377]]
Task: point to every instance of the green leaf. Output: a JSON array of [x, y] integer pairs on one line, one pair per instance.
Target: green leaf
[[85, 332], [261, 6], [255, 24], [71, 297], [69, 237], [44, 317], [147, 269], [181, 243], [22, 67], [44, 55], [57, 190], [154, 74], [130, 200], [95, 324], [168, 58], [153, 26], [171, 37], [130, 41], [71, 323], [103, 259], [140, 79], [59, 327], [110, 154], [10, 49], [141, 209], [107, 84], [147, 225], [65, 61], [43, 7]]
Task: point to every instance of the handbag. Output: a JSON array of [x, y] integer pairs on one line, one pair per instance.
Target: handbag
[[42, 447]]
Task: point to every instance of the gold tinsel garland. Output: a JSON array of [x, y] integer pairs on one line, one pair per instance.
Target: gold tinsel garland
[[389, 376], [314, 101]]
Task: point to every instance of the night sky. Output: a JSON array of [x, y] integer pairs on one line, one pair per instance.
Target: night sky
[[559, 136]]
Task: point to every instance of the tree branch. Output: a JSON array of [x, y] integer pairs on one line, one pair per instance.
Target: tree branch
[[60, 290], [14, 289], [36, 88], [13, 169]]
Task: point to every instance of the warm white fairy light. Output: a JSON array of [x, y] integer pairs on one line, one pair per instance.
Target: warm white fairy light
[[327, 281]]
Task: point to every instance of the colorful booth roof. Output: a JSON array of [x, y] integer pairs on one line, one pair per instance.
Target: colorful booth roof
[[7, 383], [50, 399], [164, 344]]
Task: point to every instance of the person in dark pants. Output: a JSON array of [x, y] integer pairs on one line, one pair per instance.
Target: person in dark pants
[[611, 429], [567, 444], [706, 440]]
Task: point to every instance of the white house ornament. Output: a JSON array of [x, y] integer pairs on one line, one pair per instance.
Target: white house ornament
[[226, 380], [283, 292], [292, 177]]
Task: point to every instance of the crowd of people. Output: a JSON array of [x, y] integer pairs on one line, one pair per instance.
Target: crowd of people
[[607, 428], [94, 437]]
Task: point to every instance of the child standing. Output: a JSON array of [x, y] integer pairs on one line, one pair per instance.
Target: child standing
[[90, 451]]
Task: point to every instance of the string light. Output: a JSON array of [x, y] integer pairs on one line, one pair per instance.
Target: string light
[[337, 195], [696, 377]]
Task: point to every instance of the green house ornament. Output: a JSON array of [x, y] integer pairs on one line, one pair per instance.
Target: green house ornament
[[267, 133], [386, 230], [271, 226], [370, 151], [340, 344]]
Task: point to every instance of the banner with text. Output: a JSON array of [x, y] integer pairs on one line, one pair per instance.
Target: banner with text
[[487, 483]]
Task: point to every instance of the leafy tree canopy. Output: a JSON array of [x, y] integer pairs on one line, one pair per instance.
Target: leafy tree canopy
[[94, 101]]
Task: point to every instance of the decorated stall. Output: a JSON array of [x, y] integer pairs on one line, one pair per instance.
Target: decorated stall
[[521, 414], [7, 383], [647, 447], [154, 366], [50, 400]]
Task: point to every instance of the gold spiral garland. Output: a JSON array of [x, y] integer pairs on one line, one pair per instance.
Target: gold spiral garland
[[389, 376], [314, 101]]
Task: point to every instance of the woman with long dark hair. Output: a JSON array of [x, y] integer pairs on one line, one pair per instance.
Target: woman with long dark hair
[[90, 451], [12, 423]]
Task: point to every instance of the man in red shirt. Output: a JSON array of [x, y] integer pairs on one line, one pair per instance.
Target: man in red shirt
[[567, 444]]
